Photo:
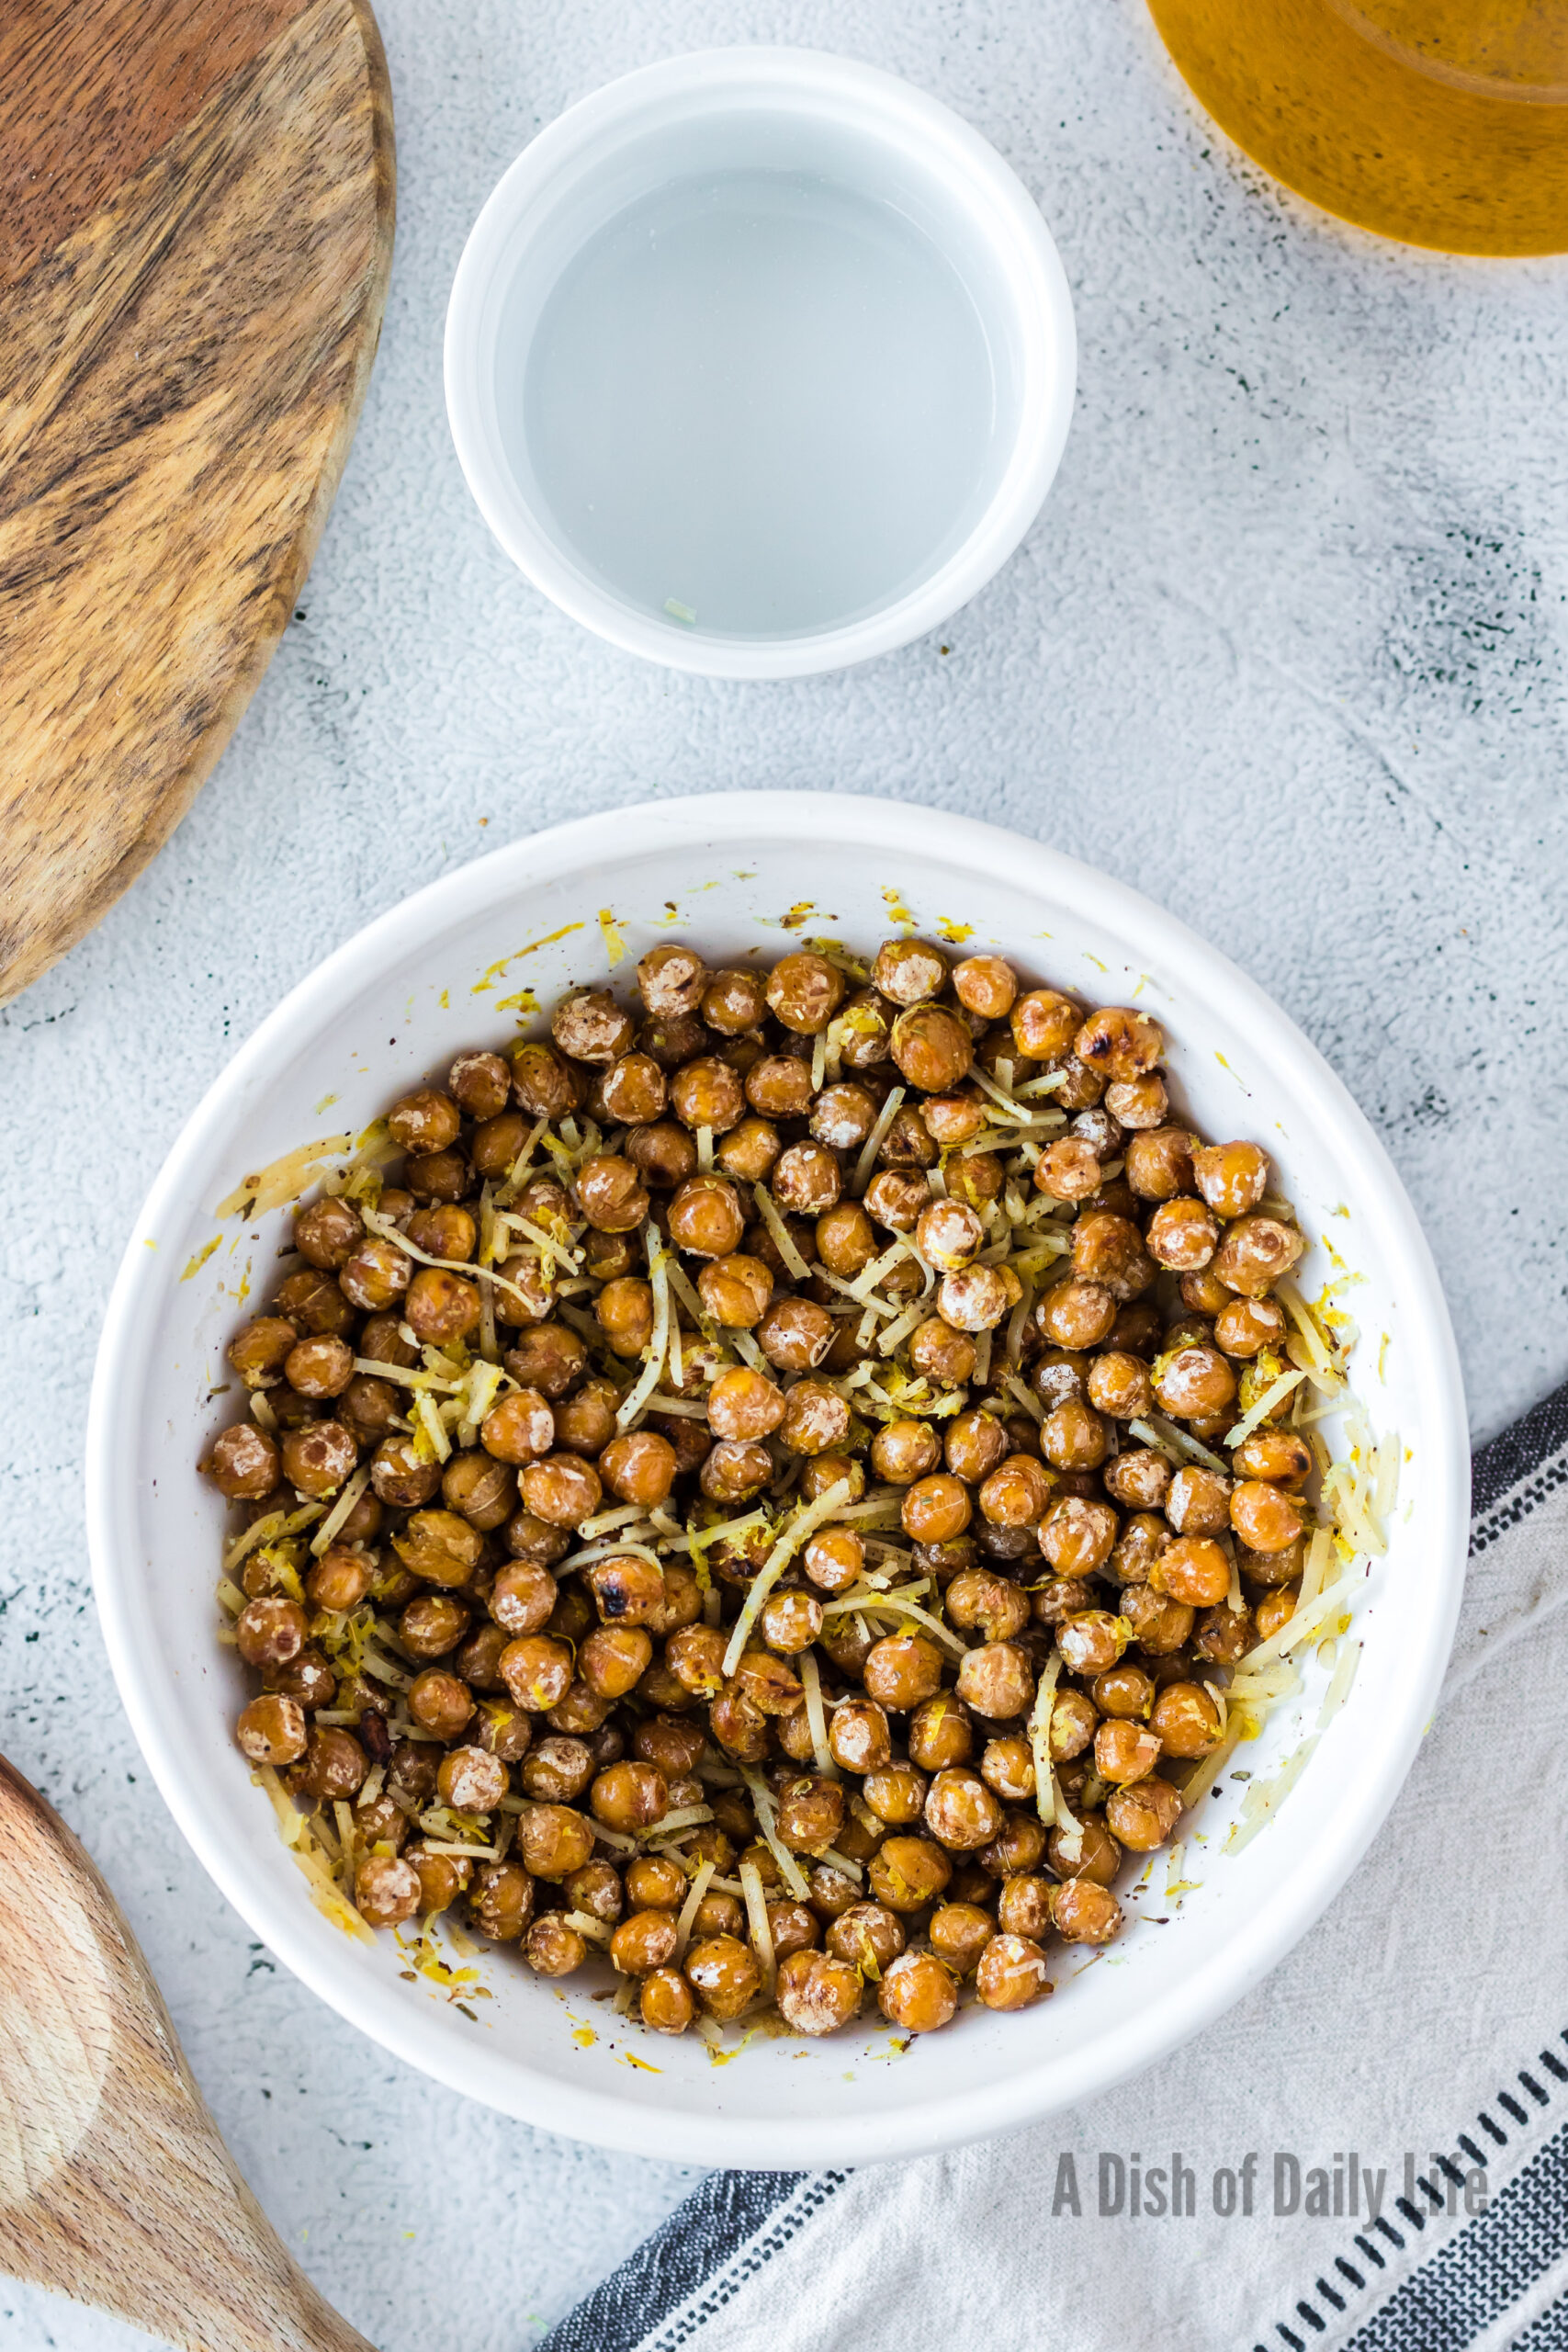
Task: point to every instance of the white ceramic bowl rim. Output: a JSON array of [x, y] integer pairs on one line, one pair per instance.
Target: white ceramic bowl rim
[[1021, 244], [848, 825]]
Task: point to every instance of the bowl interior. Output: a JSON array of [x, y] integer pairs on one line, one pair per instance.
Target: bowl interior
[[466, 963], [748, 348]]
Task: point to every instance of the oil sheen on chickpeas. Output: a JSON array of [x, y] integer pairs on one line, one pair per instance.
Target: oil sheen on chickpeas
[[698, 1511]]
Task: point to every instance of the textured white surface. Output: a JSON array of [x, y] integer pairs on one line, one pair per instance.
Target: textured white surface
[[1287, 650]]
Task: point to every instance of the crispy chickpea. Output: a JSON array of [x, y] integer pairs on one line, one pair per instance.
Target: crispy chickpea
[[671, 979], [940, 1353], [245, 1461], [986, 985], [1182, 1235], [1159, 1163], [1255, 1253], [903, 1669], [1244, 1327], [908, 1872], [613, 1659], [736, 1291], [843, 1116], [810, 1815], [902, 1451], [550, 1947], [645, 1941], [1194, 1570], [439, 1702], [1124, 1691], [271, 1730], [748, 1152], [896, 1199], [709, 1093], [816, 1418], [441, 1306], [439, 1546], [1074, 1437], [1090, 1853], [961, 1811], [1045, 1024], [639, 1467], [327, 1233], [734, 1001], [1075, 1316], [1160, 1625], [736, 1469], [816, 1993], [845, 1242], [432, 1625], [318, 1457], [1197, 1501], [1068, 1170], [1193, 1380], [1138, 1102], [895, 1794], [554, 1840], [721, 1970], [482, 1491], [705, 1218], [1120, 1042], [936, 1509], [790, 1621], [563, 1490], [472, 1779], [521, 1597], [1139, 1480], [908, 972], [1090, 1640], [996, 1680], [806, 1179], [910, 1143], [334, 1764], [1187, 1720], [950, 1234], [259, 1348], [481, 1083], [1143, 1815], [1083, 1912], [1124, 1751], [270, 1631], [559, 1769], [1263, 1517], [932, 1049], [1011, 1973], [1072, 1725], [424, 1121], [1006, 1768], [625, 1312], [1232, 1177], [833, 1558], [654, 1883], [1024, 1906], [591, 1026], [745, 1403], [779, 1087], [536, 1670], [976, 1297], [519, 1429], [1224, 1636], [386, 1890], [662, 1153], [664, 2001], [1269, 1568], [804, 992], [795, 1334], [1016, 1494], [917, 1993], [1275, 1609]]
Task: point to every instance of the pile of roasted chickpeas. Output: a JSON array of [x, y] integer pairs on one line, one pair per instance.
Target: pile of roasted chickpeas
[[750, 1497]]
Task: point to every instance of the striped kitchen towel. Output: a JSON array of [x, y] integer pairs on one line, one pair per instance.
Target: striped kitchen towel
[[1370, 2153]]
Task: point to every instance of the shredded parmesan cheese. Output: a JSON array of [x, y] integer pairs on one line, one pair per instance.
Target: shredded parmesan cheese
[[1040, 1737], [816, 1716], [699, 1887], [804, 1523], [762, 1806], [875, 1141], [352, 1491], [783, 1242], [757, 1921]]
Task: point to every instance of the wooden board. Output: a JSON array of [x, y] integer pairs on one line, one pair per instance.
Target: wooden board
[[196, 225]]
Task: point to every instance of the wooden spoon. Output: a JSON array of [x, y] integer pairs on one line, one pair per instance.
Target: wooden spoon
[[115, 2187]]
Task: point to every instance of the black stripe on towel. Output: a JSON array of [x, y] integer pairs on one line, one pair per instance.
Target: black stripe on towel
[[701, 2237]]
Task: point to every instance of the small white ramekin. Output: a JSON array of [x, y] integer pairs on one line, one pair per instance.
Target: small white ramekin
[[448, 969], [597, 158]]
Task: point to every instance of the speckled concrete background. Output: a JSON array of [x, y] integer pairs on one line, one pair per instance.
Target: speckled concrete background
[[1287, 650]]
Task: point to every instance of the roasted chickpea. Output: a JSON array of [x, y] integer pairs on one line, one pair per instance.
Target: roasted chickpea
[[810, 1815], [1143, 1815], [1139, 1480], [1091, 1640], [996, 1680], [1182, 1234], [1045, 1024], [271, 1730], [734, 1001], [1193, 1380], [550, 1947], [501, 1904], [1255, 1253], [1194, 1570], [790, 1621], [643, 1942], [1083, 1912], [1011, 1973], [962, 1812], [1124, 1751], [917, 1993], [903, 1669], [908, 1872], [705, 1218], [721, 1971], [1263, 1517], [816, 1418], [1074, 1437], [1075, 1316], [1244, 1327], [563, 1490], [986, 985], [1186, 1719], [1275, 1609], [1016, 1494], [1197, 1501], [709, 1093], [245, 1461], [815, 1992], [1160, 1625]]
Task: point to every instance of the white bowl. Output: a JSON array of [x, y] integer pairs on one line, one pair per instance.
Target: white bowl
[[778, 462], [436, 974]]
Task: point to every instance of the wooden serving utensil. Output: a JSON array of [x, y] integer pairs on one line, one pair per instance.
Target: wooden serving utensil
[[114, 2186], [196, 226]]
